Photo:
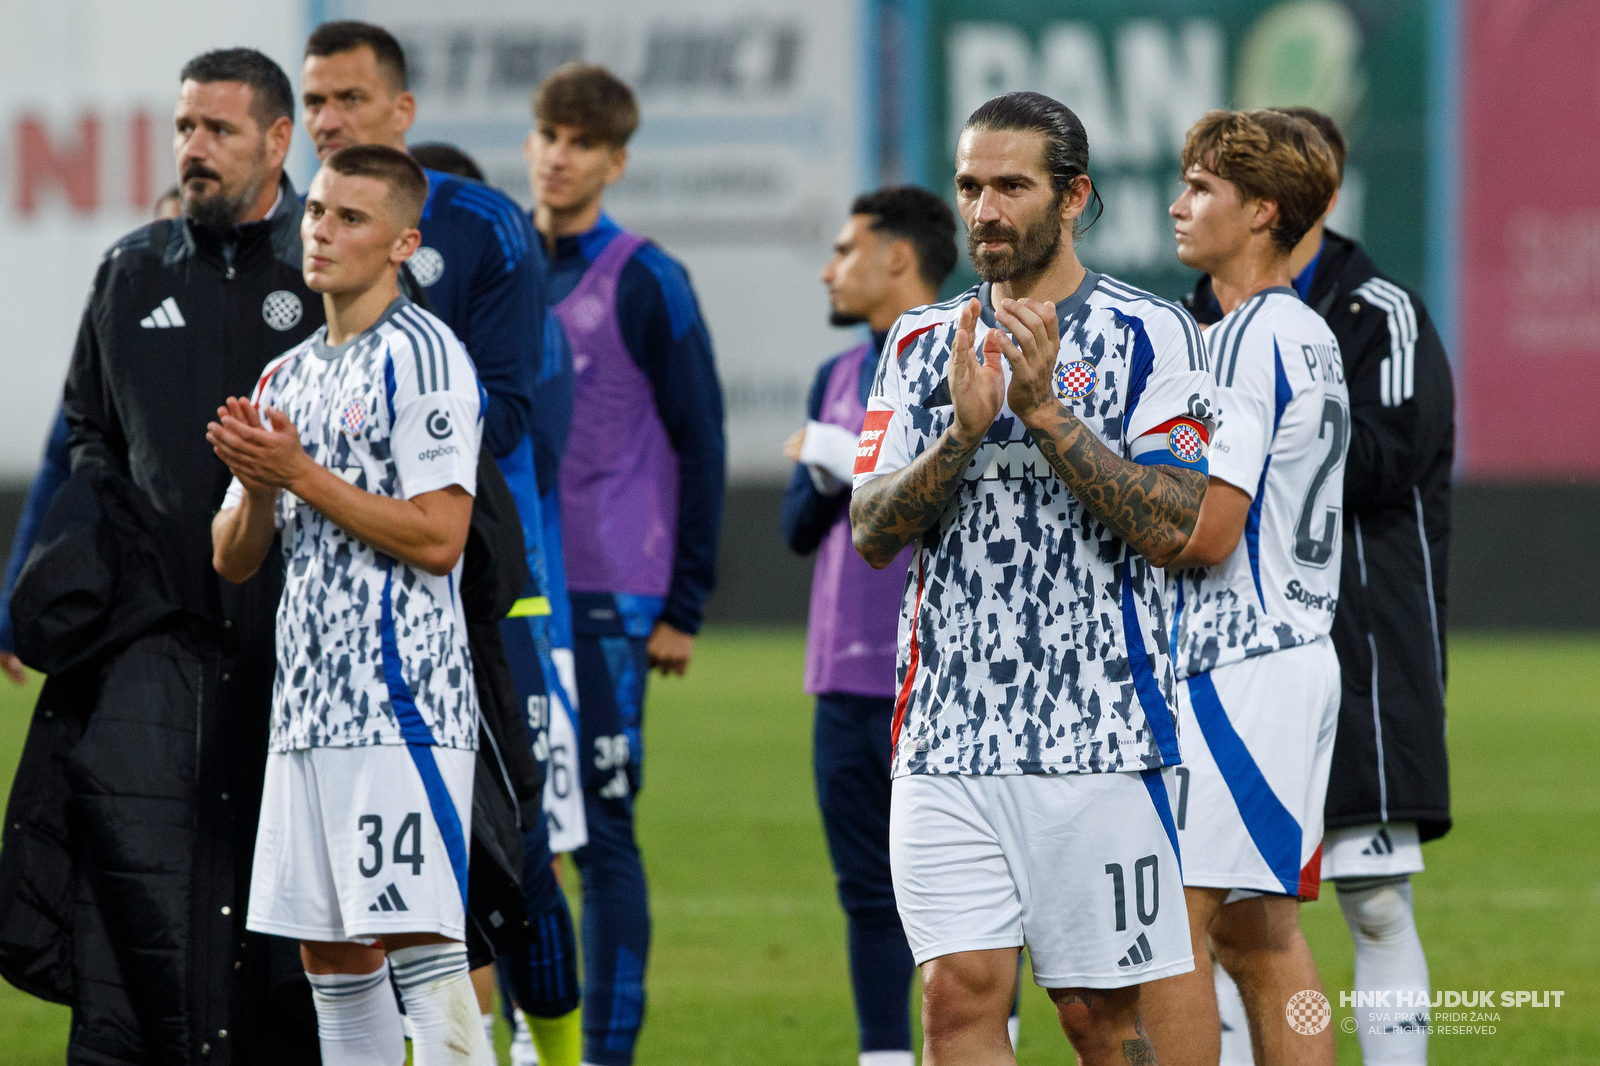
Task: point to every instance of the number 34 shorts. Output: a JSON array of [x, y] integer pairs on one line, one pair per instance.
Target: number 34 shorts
[[358, 842], [1082, 868]]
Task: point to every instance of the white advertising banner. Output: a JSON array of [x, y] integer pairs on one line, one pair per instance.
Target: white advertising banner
[[748, 153], [750, 149], [87, 89]]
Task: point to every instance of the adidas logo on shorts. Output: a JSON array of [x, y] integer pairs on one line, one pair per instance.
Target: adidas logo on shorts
[[1138, 954], [1380, 844], [389, 900]]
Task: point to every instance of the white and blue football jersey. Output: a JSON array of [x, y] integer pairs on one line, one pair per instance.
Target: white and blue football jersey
[[1283, 432], [372, 650], [1032, 638]]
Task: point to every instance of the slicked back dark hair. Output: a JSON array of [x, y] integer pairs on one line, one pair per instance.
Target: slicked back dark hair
[[1326, 127], [906, 212], [271, 96], [408, 185], [1066, 145], [336, 38], [448, 159]]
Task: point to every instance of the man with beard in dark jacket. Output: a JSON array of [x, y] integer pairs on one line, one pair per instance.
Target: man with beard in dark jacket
[[163, 734], [1389, 790]]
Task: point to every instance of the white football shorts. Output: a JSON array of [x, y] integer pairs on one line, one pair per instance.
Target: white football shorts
[[351, 846], [1382, 849], [1257, 741], [1082, 868]]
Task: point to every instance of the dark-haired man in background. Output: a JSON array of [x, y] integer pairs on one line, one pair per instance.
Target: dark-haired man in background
[[641, 504], [164, 776], [1389, 791], [892, 255], [481, 270]]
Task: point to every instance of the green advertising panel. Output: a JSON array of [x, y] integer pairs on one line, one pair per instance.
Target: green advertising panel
[[1139, 72]]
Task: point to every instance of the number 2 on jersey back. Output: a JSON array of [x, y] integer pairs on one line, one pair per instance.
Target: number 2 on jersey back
[[1335, 429]]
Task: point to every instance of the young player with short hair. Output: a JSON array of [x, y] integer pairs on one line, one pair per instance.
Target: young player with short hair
[[1258, 582], [642, 484], [361, 446], [481, 270], [894, 252], [1044, 488]]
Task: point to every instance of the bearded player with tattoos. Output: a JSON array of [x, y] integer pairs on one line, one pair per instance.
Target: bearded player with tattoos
[[1042, 441]]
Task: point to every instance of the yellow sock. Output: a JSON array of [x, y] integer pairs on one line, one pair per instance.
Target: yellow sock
[[559, 1041]]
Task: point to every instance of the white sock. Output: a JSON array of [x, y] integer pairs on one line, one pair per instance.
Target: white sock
[[887, 1058], [1235, 1023], [358, 1021], [436, 984], [488, 1028], [1389, 958], [523, 1053], [1014, 1030]]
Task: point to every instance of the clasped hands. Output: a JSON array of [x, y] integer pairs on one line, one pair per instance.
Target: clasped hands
[[265, 457], [978, 389]]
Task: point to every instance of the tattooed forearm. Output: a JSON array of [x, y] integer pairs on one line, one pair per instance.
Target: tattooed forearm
[[1153, 508], [890, 512]]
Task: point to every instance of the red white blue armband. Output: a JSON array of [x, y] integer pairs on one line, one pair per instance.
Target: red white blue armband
[[1181, 441]]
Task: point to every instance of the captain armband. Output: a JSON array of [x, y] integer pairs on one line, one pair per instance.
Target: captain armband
[[1181, 441]]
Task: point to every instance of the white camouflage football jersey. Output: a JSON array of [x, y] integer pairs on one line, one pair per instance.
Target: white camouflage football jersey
[[1032, 639], [370, 649], [1282, 437]]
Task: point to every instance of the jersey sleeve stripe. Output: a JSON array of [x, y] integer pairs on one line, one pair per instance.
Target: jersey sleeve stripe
[[1399, 370], [904, 342], [416, 350], [1219, 336], [1191, 330], [431, 327], [500, 216], [414, 324], [504, 209], [1238, 336]]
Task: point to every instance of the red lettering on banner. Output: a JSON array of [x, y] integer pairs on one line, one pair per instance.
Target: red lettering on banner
[[872, 431], [141, 193], [73, 167]]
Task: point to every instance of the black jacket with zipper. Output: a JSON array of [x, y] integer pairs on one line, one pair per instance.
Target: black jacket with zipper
[[1389, 758], [147, 759]]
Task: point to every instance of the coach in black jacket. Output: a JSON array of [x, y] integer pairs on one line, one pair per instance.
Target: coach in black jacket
[[163, 743], [1389, 789]]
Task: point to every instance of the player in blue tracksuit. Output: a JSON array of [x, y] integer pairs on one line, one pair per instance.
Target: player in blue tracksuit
[[641, 496], [481, 269]]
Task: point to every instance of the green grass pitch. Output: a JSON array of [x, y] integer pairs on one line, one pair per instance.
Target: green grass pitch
[[749, 960]]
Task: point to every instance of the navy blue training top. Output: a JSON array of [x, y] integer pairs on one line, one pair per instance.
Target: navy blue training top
[[484, 272]]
